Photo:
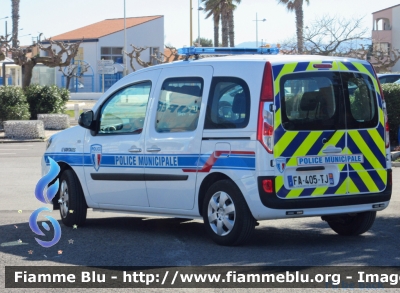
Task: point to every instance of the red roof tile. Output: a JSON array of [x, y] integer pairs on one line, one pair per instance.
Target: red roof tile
[[104, 28]]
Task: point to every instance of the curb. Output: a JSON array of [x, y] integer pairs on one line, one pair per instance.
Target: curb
[[395, 164], [9, 140]]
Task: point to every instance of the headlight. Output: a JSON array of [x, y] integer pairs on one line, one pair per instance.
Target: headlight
[[48, 143]]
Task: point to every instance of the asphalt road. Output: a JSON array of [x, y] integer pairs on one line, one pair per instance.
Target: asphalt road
[[122, 240]]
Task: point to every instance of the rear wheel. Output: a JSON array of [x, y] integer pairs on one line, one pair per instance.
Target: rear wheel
[[227, 218], [349, 225], [73, 206]]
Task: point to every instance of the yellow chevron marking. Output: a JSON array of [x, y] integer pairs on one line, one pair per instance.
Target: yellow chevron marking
[[334, 141], [352, 187], [305, 146], [284, 142], [278, 183], [368, 181], [277, 119], [294, 193], [343, 188], [342, 66], [383, 175], [365, 150], [364, 70], [319, 191], [380, 143], [287, 68], [382, 118]]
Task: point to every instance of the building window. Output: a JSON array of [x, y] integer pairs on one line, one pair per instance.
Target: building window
[[112, 53], [154, 51]]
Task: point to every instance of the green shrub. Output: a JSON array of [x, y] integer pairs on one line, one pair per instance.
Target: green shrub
[[391, 92], [46, 99], [13, 105]]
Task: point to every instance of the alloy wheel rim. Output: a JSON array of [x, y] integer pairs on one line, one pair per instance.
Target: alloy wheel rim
[[64, 199], [221, 213]]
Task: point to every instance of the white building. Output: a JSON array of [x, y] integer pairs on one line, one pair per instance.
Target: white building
[[105, 40]]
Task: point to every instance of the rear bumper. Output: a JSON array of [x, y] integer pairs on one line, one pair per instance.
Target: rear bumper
[[270, 200]]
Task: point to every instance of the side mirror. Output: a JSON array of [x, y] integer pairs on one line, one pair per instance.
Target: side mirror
[[86, 119]]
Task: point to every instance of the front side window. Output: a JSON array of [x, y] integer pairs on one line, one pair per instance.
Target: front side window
[[310, 101], [229, 104], [125, 111], [179, 104]]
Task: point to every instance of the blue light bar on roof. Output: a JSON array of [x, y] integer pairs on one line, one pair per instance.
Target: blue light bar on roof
[[189, 51]]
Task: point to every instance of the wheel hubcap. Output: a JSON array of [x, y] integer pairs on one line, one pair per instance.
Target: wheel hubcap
[[221, 213], [64, 199]]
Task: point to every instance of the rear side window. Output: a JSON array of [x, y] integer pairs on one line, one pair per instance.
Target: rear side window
[[179, 104], [228, 104], [310, 101], [360, 100]]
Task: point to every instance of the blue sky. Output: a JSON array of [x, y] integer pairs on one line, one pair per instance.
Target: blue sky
[[53, 17]]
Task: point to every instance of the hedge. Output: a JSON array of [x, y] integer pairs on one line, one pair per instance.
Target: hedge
[[46, 99], [391, 92], [13, 104]]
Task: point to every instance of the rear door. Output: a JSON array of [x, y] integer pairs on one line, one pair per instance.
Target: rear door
[[174, 136], [365, 124], [310, 136]]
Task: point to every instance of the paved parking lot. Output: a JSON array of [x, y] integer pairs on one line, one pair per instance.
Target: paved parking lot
[[120, 239]]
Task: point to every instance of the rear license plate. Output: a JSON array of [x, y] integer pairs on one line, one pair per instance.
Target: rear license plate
[[310, 180]]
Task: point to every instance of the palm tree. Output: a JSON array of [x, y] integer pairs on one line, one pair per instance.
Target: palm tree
[[297, 6], [213, 7], [231, 24], [15, 20], [222, 10]]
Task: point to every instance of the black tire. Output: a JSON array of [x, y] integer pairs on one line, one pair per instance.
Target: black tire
[[71, 199], [241, 220], [350, 225]]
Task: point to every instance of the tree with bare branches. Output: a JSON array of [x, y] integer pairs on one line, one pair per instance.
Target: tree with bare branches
[[329, 36], [382, 59], [61, 58], [75, 70], [159, 58]]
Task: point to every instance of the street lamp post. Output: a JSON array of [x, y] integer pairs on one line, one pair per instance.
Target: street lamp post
[[191, 37], [257, 20], [124, 55], [6, 30]]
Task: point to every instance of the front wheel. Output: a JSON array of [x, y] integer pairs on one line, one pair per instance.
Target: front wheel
[[73, 206], [226, 216], [349, 225]]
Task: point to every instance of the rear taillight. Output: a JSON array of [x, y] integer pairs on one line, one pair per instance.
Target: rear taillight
[[268, 185], [387, 137], [265, 129], [387, 140]]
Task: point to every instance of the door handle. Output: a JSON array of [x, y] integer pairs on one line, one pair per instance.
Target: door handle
[[152, 150], [332, 150], [135, 150]]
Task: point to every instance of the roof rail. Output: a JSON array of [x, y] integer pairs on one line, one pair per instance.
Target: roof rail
[[195, 51]]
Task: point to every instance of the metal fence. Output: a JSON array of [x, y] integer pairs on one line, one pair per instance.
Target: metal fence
[[109, 80]]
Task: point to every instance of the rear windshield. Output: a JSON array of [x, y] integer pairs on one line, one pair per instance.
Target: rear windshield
[[320, 101]]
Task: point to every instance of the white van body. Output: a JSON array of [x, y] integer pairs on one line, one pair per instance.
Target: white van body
[[288, 136]]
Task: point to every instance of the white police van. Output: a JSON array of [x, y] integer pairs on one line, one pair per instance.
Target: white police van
[[232, 140]]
